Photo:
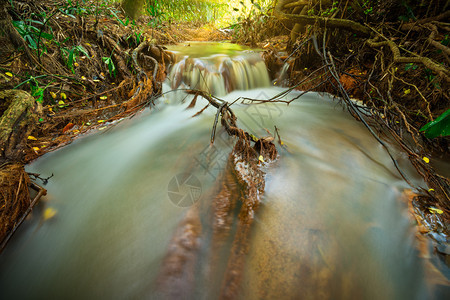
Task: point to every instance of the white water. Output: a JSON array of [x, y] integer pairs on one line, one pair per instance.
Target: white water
[[331, 225]]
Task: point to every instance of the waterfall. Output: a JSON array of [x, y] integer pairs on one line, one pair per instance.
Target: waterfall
[[220, 74]]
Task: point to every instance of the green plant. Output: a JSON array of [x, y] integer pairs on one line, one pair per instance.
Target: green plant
[[124, 23], [31, 33], [111, 67], [411, 66], [36, 90], [438, 127], [70, 55]]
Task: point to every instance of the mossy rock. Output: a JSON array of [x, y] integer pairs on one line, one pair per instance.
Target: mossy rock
[[19, 118]]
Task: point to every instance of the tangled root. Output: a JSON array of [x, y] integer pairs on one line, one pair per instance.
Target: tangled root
[[14, 196]]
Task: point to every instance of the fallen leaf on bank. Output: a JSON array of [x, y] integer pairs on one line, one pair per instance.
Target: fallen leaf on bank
[[407, 91], [68, 127], [61, 104], [30, 137], [431, 190], [103, 97], [101, 121], [426, 159], [63, 96], [36, 149], [9, 74], [261, 158], [435, 210], [49, 213], [53, 95]]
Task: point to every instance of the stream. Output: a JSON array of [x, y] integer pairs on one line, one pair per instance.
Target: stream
[[330, 224]]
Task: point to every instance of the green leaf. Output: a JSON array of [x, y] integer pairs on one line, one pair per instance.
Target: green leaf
[[30, 40], [70, 60], [47, 36], [82, 50], [438, 127]]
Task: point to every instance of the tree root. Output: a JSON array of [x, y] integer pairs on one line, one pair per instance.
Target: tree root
[[440, 70], [324, 22]]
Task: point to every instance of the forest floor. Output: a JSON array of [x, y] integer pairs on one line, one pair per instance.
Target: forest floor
[[87, 72]]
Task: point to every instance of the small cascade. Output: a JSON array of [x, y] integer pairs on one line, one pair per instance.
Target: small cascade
[[220, 74]]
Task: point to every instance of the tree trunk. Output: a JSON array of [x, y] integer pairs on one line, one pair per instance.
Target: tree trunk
[[133, 8]]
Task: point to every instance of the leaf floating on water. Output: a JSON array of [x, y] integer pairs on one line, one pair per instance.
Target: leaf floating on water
[[49, 213], [426, 159], [30, 137], [435, 210]]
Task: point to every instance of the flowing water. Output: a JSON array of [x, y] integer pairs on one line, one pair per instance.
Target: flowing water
[[330, 226]]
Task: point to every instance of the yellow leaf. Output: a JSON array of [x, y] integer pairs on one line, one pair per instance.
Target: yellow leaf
[[30, 137], [407, 91], [96, 80], [76, 64], [426, 159], [103, 97], [53, 95], [49, 213], [61, 103], [435, 210], [261, 158], [431, 190], [63, 96], [9, 74], [101, 128], [76, 131], [83, 78], [87, 44], [101, 121], [36, 149]]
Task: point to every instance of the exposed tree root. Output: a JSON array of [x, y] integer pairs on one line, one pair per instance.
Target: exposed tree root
[[440, 70]]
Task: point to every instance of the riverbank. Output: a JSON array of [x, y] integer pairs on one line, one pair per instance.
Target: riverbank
[[88, 71]]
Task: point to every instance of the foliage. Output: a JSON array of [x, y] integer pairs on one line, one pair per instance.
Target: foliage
[[31, 33], [70, 55], [438, 127], [111, 67]]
